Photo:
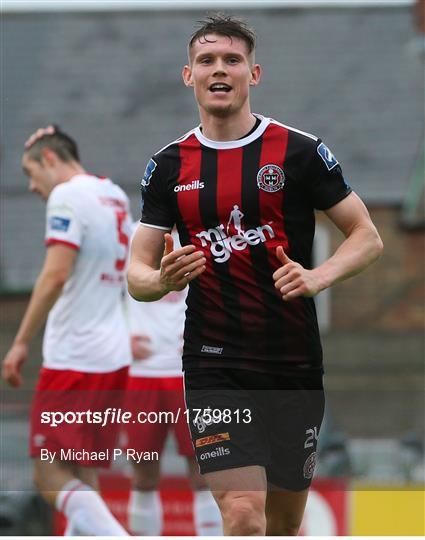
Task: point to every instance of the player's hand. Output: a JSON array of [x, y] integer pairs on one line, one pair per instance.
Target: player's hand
[[12, 364], [140, 347], [180, 266], [293, 280], [48, 130]]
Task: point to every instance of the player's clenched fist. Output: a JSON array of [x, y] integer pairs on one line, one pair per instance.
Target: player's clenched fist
[[12, 364], [293, 280], [179, 266]]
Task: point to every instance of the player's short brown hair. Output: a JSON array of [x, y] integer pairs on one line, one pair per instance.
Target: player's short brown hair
[[59, 142], [224, 25]]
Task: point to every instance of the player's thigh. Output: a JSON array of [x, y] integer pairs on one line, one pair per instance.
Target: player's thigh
[[284, 511], [87, 475], [239, 479], [241, 496], [146, 475], [196, 479], [51, 477]]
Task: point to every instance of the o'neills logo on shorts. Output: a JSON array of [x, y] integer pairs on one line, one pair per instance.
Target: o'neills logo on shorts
[[218, 452], [196, 184], [211, 439]]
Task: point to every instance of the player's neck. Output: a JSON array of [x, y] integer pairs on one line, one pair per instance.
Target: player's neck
[[68, 170], [229, 128]]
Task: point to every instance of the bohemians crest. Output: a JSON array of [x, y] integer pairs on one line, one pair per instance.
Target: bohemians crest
[[270, 178]]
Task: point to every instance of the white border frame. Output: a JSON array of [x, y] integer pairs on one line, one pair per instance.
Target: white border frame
[[19, 6]]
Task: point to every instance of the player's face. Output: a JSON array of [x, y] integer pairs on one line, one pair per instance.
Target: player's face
[[221, 71], [41, 176]]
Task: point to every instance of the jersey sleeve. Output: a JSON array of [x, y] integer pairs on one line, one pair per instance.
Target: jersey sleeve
[[324, 178], [155, 205], [63, 222]]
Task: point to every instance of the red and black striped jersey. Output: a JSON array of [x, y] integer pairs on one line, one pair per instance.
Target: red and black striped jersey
[[237, 201]]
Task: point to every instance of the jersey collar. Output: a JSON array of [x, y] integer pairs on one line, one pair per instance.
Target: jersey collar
[[223, 145]]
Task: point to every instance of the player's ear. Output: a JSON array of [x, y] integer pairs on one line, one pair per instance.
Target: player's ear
[[48, 157], [255, 74], [187, 76]]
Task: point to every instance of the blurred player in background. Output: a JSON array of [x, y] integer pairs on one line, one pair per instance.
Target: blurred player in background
[[86, 349], [156, 384], [243, 189]]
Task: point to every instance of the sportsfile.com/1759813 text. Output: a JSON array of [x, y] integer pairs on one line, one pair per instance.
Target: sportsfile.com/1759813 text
[[113, 415]]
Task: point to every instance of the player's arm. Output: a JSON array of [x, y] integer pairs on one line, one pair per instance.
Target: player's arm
[[57, 267], [361, 247], [156, 268]]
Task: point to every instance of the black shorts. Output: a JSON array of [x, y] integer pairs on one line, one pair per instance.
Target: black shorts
[[239, 418]]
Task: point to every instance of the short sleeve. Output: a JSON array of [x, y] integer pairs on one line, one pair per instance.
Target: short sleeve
[[324, 178], [63, 222], [155, 205]]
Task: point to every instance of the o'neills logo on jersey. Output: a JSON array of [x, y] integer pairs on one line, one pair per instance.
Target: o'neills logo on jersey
[[224, 239], [196, 184], [270, 178]]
